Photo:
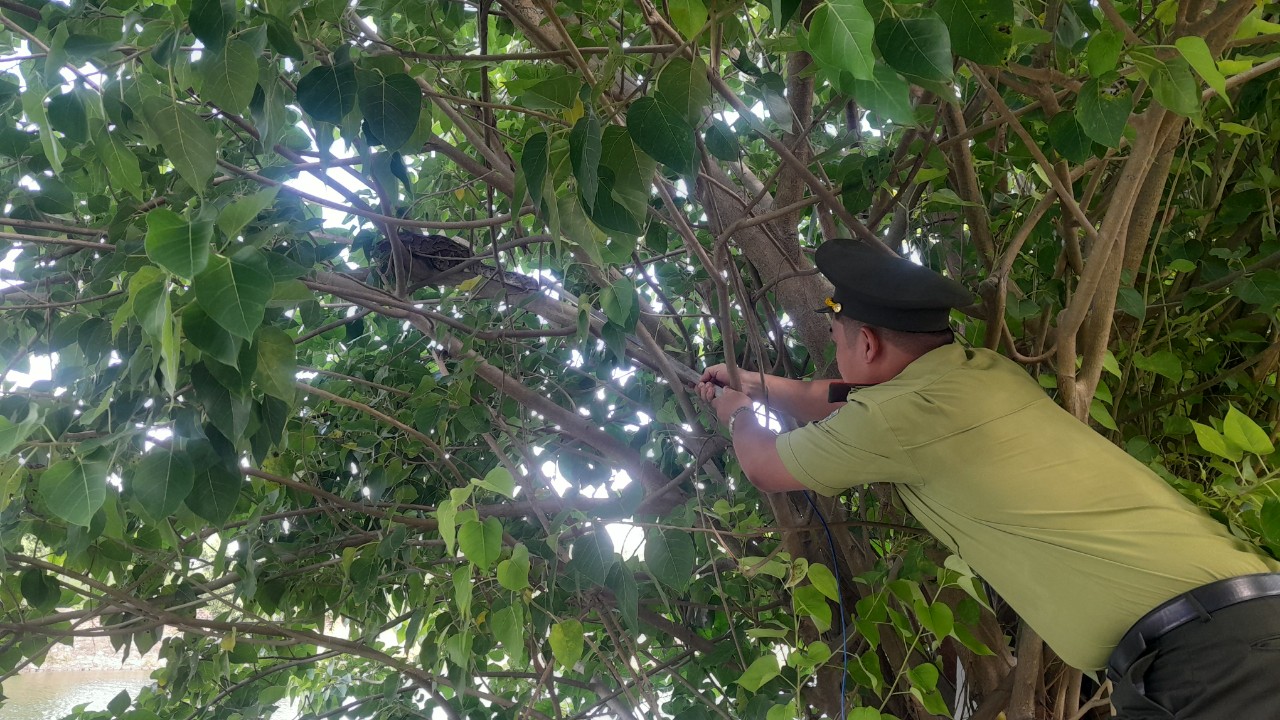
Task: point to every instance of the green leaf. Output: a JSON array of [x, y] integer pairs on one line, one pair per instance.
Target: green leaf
[[233, 217], [863, 713], [1174, 87], [170, 351], [1269, 520], [924, 676], [276, 373], [228, 78], [75, 489], [39, 589], [626, 595], [176, 245], [584, 153], [810, 602], [683, 85], [211, 21], [216, 487], [281, 37], [841, 36], [391, 106], [1131, 302], [1241, 430], [463, 592], [513, 573], [567, 643], [499, 480], [119, 160], [663, 134], [534, 162], [223, 399], [1196, 52], [446, 519], [558, 94], [1103, 52], [669, 555], [67, 115], [592, 556], [1261, 288], [208, 336], [1069, 138], [627, 174], [509, 629], [1110, 364], [33, 106], [620, 303], [824, 581], [83, 47], [886, 94], [161, 480], [185, 138], [966, 638], [722, 143], [937, 618], [13, 433], [1213, 442], [917, 47], [1162, 362], [782, 712], [1104, 113], [980, 30], [481, 542], [688, 16], [1100, 414], [234, 292], [329, 93], [759, 672]]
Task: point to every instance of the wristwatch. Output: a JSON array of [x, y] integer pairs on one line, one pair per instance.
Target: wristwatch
[[734, 417]]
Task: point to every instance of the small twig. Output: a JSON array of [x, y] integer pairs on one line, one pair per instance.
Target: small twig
[[361, 381], [65, 303], [56, 227], [57, 241], [411, 432], [329, 326]]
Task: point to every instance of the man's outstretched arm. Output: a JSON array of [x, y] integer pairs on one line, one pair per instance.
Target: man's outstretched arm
[[803, 400]]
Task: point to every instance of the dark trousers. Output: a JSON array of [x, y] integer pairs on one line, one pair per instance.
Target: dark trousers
[[1224, 666]]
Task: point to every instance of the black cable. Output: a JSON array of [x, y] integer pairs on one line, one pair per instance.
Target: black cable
[[844, 630]]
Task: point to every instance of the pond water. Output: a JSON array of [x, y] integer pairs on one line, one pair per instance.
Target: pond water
[[51, 695]]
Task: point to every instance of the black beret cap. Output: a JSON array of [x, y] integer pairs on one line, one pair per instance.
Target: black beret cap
[[886, 291]]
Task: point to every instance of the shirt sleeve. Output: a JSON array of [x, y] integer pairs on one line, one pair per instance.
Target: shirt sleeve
[[852, 446]]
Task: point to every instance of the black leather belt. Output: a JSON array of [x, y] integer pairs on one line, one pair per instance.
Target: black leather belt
[[1183, 609]]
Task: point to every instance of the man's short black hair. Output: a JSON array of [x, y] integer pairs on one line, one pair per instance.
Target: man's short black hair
[[913, 343]]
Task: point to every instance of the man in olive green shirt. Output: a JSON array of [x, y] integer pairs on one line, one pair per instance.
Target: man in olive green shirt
[[1081, 539]]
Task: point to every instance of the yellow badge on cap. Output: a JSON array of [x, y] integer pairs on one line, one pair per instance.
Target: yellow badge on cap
[[835, 306]]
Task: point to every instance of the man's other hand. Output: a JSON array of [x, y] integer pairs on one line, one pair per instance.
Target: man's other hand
[[748, 381], [728, 401]]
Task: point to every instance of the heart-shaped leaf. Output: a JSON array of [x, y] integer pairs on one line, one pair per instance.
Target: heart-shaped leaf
[[234, 291], [391, 105], [661, 131], [161, 480], [75, 489], [179, 246]]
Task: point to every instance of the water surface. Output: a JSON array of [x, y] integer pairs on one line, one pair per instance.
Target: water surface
[[50, 695]]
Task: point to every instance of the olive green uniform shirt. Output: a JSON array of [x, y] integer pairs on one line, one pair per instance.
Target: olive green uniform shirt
[[1080, 538]]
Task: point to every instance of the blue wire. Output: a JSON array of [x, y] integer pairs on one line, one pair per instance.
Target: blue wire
[[844, 631]]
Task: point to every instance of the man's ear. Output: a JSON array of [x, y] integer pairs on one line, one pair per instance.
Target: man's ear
[[870, 343]]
